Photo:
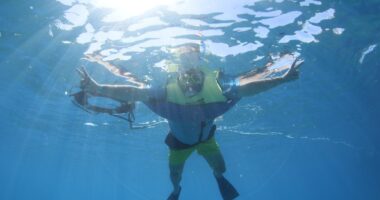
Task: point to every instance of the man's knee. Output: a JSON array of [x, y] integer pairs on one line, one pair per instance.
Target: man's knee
[[175, 176], [217, 163], [175, 173]]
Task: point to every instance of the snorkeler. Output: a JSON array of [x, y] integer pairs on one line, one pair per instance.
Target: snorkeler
[[192, 97]]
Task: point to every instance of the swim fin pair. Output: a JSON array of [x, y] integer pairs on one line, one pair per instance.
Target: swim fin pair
[[227, 190]]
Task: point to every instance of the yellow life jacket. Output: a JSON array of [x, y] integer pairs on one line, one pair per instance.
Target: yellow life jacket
[[210, 93]]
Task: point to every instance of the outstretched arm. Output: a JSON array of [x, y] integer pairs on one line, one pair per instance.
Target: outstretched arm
[[262, 79], [115, 70], [124, 93]]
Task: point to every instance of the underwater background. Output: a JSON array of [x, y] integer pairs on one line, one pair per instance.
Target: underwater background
[[314, 138]]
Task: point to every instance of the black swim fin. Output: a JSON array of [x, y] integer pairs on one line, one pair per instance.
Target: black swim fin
[[226, 189], [174, 196]]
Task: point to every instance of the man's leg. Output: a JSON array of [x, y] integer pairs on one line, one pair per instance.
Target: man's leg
[[176, 176], [177, 159], [216, 162], [211, 153]]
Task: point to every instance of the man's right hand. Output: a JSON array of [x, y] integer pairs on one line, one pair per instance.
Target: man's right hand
[[293, 72], [87, 83]]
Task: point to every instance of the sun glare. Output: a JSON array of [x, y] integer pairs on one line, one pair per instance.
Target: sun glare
[[130, 8]]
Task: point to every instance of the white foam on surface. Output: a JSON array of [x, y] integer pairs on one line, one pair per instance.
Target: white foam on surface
[[222, 49], [75, 16], [126, 9], [194, 22], [258, 58], [87, 36], [148, 22], [229, 10], [338, 31], [224, 16], [242, 29], [261, 31], [321, 16], [281, 20], [306, 34], [273, 13], [309, 2], [309, 29], [366, 52]]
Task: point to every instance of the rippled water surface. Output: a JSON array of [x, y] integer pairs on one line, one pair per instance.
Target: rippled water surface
[[314, 138]]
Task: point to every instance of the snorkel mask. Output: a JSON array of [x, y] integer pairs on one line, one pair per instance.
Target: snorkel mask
[[190, 78], [191, 82]]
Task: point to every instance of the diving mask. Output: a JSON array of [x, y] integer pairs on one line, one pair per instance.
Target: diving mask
[[191, 82]]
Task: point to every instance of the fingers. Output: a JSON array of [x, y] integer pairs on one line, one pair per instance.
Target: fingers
[[80, 72], [294, 70], [85, 77], [298, 63], [85, 73]]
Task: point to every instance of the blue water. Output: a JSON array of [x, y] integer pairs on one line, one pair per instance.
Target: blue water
[[314, 138]]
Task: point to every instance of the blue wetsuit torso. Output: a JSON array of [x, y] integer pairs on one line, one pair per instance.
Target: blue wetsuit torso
[[191, 124]]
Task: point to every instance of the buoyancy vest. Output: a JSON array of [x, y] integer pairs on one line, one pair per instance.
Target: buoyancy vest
[[208, 104], [210, 92]]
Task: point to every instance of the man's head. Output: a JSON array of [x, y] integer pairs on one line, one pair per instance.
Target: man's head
[[190, 77], [188, 56]]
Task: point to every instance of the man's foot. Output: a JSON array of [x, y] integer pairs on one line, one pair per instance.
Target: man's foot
[[175, 194]]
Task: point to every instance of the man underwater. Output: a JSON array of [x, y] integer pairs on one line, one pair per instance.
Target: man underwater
[[191, 99]]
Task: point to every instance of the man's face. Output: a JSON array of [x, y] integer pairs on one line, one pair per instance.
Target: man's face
[[189, 59], [191, 81]]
